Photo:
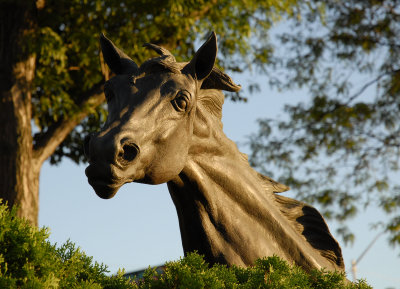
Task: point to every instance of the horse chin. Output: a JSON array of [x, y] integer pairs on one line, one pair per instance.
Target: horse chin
[[104, 190]]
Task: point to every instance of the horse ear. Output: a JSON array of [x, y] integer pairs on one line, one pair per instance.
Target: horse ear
[[116, 59], [219, 80], [203, 61]]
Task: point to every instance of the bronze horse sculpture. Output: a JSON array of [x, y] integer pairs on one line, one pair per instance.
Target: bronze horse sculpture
[[164, 126]]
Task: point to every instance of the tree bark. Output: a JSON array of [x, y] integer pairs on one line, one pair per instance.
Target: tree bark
[[20, 158], [19, 174]]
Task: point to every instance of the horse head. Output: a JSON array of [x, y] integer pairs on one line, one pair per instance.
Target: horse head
[[147, 134]]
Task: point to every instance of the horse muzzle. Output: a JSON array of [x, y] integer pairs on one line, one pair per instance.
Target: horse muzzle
[[121, 152], [109, 157], [100, 178]]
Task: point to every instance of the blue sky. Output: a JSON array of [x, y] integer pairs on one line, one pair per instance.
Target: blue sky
[[139, 226]]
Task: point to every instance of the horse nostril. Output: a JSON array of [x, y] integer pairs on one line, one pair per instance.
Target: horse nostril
[[129, 152]]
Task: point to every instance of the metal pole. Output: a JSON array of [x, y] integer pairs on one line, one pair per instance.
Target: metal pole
[[354, 270], [355, 262]]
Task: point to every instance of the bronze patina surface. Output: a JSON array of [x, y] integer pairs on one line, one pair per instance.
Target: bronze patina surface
[[164, 126]]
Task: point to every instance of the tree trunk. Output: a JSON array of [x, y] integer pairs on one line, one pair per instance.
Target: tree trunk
[[19, 173]]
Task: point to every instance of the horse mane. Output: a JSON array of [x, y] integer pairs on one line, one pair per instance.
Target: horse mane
[[310, 224], [306, 220]]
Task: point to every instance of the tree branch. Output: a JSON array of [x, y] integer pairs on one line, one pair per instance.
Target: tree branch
[[55, 135]]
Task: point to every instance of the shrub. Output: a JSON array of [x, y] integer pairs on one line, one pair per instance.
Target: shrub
[[272, 272], [28, 260]]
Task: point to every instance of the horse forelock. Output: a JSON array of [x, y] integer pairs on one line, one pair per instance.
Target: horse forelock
[[161, 64], [211, 99]]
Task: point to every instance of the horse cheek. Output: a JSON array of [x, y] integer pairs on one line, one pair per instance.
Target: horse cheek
[[171, 153]]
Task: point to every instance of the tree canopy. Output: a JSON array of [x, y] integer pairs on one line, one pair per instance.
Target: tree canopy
[[340, 148]]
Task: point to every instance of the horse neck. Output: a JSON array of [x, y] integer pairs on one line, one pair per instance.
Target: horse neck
[[222, 204], [228, 213]]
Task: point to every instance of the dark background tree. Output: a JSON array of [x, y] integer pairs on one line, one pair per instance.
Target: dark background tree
[[51, 73], [340, 148]]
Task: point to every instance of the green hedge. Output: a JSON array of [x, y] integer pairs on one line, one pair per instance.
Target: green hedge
[[272, 272], [28, 260]]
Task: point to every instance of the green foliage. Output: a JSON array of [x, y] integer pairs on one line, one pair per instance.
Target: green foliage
[[272, 272], [28, 260], [339, 149]]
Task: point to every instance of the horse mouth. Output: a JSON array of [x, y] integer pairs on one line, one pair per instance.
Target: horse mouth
[[102, 181], [102, 189]]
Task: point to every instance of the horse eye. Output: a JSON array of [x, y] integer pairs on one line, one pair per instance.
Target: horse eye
[[180, 102]]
